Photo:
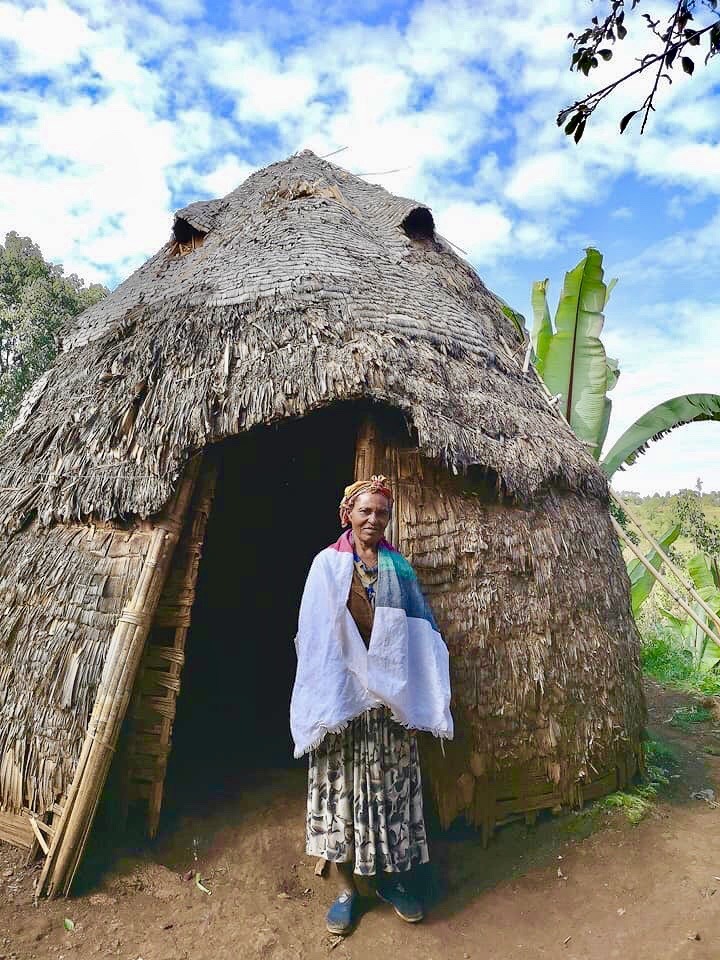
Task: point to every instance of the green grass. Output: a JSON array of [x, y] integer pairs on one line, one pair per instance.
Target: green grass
[[665, 660], [684, 717], [636, 803]]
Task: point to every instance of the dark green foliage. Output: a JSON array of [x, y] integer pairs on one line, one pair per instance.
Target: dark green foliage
[[697, 514], [35, 302], [624, 521], [695, 525], [671, 35], [666, 660]]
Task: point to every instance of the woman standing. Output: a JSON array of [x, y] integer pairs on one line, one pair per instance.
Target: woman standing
[[372, 669]]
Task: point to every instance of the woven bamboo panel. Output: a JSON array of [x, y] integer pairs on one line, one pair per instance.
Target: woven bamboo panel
[[158, 684]]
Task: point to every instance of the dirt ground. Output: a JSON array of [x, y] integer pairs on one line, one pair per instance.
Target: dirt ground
[[579, 886]]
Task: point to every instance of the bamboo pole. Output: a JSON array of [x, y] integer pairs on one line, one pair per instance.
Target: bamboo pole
[[687, 584], [662, 580], [682, 577], [113, 697]]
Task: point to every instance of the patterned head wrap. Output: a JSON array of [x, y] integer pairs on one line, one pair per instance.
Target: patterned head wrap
[[373, 485]]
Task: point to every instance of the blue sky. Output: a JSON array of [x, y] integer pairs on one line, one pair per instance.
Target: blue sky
[[113, 115]]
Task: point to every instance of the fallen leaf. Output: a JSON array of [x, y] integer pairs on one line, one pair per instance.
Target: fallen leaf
[[200, 886], [708, 795]]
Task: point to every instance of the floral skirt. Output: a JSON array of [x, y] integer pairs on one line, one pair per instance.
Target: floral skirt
[[365, 797]]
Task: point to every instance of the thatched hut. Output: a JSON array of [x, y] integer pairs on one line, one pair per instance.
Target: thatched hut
[[307, 326]]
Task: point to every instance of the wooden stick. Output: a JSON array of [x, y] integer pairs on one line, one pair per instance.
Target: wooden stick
[[662, 581], [113, 697], [682, 577], [38, 835]]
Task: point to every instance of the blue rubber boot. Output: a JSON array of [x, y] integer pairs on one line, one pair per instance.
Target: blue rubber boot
[[341, 914], [406, 906]]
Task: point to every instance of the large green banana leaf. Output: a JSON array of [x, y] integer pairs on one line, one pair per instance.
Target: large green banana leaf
[[702, 577], [706, 652], [575, 364], [542, 330], [688, 408], [641, 580]]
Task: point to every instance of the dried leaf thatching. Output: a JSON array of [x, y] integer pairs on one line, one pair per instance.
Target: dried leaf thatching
[[306, 290]]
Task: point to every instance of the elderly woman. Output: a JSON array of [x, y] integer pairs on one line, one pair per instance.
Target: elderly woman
[[372, 669]]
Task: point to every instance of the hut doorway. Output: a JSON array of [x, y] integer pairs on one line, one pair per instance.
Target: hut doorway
[[274, 507]]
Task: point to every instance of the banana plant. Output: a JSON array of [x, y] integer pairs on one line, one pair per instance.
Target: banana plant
[[571, 359], [705, 652], [641, 580], [570, 356]]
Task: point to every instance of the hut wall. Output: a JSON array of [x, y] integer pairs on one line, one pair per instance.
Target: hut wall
[[114, 692], [533, 604], [62, 590]]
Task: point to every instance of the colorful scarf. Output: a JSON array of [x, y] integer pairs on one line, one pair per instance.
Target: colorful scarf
[[379, 484], [406, 666]]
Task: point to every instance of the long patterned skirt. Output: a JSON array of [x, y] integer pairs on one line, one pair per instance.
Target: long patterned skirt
[[365, 797]]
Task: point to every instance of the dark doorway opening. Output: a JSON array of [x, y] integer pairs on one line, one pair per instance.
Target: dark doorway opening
[[275, 507]]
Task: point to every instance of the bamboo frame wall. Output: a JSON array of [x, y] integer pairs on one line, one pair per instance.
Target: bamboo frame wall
[[120, 671]]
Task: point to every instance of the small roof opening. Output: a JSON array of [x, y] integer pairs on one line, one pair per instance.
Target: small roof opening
[[186, 237], [419, 224]]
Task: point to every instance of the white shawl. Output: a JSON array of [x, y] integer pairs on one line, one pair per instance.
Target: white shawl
[[406, 666]]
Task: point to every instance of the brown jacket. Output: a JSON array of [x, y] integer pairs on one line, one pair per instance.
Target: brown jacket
[[360, 608]]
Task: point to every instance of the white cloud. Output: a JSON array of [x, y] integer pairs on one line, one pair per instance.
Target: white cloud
[[480, 229], [46, 38], [226, 176], [667, 350], [117, 113]]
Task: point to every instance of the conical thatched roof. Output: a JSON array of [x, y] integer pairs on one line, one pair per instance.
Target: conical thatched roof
[[310, 286]]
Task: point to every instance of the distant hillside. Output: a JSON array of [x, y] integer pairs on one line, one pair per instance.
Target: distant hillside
[[658, 513]]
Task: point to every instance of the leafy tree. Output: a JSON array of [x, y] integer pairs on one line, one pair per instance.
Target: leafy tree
[[688, 35], [36, 300], [695, 525]]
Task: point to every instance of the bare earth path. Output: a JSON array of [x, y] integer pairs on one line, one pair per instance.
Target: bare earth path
[[648, 891]]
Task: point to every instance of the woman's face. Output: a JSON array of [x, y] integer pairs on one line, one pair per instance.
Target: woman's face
[[369, 518]]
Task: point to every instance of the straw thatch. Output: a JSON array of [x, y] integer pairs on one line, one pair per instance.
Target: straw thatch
[[304, 287], [306, 290]]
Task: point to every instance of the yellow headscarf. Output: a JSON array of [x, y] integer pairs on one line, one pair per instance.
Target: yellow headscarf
[[376, 484]]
